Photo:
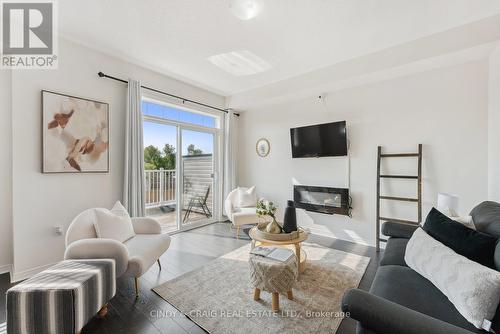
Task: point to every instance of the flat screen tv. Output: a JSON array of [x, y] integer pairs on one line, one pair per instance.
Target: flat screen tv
[[321, 140]]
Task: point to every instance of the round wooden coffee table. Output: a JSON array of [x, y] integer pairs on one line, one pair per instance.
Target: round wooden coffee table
[[300, 254]]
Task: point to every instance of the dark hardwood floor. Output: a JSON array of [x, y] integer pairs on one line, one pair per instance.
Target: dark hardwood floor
[[188, 251]]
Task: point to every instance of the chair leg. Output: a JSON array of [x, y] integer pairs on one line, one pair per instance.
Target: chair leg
[[188, 211], [103, 311], [203, 208], [136, 287], [237, 232], [159, 263], [206, 207]]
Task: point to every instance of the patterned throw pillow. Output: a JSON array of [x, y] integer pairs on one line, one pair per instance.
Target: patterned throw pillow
[[473, 288]]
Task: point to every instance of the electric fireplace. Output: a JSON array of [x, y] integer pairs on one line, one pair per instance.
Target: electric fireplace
[[322, 199]]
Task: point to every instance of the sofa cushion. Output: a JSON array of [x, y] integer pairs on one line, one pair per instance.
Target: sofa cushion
[[244, 216], [144, 250], [497, 256], [360, 329], [474, 245], [398, 230], [486, 217], [406, 287], [394, 253]]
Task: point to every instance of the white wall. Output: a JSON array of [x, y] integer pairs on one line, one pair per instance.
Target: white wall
[[41, 201], [446, 110], [494, 126], [5, 173]]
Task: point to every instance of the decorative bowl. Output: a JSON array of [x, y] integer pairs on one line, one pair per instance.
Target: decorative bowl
[[263, 234]]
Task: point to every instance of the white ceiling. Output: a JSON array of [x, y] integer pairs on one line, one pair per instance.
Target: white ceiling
[[294, 36]]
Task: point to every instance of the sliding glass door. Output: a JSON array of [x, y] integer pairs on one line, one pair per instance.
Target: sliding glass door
[[198, 175], [180, 158], [160, 146]]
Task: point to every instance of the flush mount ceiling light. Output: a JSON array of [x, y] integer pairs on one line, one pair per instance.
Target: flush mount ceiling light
[[245, 9], [240, 63]]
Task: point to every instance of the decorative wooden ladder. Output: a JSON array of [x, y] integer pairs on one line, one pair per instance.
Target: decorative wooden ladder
[[417, 200]]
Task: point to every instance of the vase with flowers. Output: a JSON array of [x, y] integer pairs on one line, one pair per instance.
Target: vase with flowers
[[267, 208]]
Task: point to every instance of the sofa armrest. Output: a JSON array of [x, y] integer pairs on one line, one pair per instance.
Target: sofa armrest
[[97, 248], [398, 230], [383, 316], [146, 225]]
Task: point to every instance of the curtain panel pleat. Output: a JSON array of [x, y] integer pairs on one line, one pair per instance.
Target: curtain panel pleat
[[134, 183], [230, 146]]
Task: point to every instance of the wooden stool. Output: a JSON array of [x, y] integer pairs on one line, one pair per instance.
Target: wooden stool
[[276, 298], [273, 276]]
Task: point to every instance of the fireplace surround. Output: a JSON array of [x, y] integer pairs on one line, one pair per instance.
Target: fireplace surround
[[322, 199]]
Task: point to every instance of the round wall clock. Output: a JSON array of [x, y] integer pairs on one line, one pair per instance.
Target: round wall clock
[[263, 147]]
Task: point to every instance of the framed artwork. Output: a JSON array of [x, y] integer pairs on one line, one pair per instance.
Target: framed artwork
[[263, 147], [75, 134]]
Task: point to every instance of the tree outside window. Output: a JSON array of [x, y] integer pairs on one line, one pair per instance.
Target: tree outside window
[[155, 159]]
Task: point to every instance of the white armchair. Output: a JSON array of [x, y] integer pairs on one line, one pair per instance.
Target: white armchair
[[133, 257], [240, 216]]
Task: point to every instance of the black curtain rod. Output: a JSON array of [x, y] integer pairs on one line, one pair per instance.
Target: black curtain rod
[[102, 75]]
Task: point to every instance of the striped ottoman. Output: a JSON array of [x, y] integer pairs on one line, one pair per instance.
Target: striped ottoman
[[61, 299]]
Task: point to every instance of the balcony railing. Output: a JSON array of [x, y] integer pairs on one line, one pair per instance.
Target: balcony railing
[[160, 187], [198, 178]]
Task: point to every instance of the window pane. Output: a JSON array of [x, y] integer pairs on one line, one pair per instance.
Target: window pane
[[197, 143], [179, 115]]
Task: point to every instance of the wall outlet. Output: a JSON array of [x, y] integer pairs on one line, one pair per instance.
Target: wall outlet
[[58, 230]]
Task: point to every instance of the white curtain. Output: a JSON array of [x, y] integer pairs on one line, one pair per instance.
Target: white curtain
[[133, 189], [230, 149]]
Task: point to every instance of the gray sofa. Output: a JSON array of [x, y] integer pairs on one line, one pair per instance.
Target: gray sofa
[[400, 301]]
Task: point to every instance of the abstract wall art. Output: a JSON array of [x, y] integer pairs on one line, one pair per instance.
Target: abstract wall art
[[75, 134]]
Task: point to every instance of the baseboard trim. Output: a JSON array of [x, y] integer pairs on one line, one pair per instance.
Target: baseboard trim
[[6, 268], [328, 235], [24, 274]]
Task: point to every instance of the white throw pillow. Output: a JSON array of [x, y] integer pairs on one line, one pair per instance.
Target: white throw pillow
[[119, 210], [247, 197], [115, 224], [472, 288]]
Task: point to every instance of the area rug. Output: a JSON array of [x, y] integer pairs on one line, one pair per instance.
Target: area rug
[[219, 298]]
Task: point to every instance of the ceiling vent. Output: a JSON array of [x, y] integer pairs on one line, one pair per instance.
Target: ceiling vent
[[240, 63]]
